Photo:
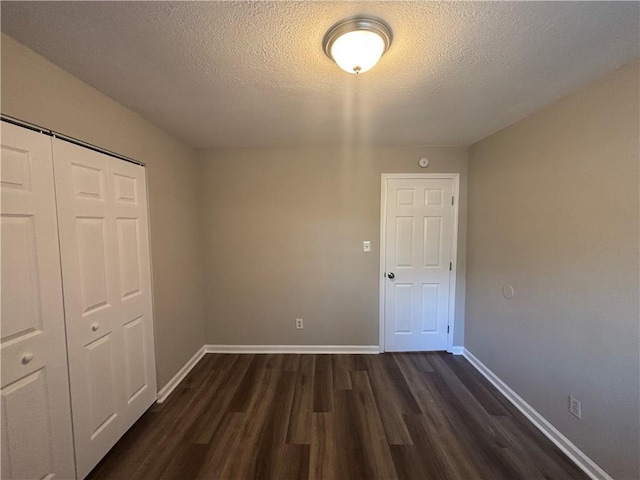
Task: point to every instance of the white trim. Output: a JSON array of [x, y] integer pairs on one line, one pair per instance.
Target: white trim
[[454, 250], [454, 262], [165, 391], [552, 433], [353, 349], [151, 287], [383, 246], [455, 350]]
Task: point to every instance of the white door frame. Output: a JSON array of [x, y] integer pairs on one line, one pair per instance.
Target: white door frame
[[454, 248]]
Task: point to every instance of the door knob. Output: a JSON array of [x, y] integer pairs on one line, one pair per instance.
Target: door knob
[[391, 275], [26, 358], [95, 327]]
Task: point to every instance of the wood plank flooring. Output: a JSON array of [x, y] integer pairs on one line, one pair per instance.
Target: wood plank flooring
[[392, 416]]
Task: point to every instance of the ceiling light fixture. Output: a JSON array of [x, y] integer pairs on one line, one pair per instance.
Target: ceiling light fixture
[[356, 44]]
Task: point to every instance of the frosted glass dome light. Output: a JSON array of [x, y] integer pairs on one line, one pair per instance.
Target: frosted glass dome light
[[357, 44]]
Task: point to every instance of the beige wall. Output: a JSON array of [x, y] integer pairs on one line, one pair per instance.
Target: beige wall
[[36, 91], [553, 211], [283, 239]]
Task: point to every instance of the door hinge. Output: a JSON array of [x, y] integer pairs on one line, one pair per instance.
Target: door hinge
[[452, 200], [447, 329], [450, 266]]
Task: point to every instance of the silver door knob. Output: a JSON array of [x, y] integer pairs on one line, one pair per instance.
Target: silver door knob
[[95, 327], [391, 275], [27, 357]]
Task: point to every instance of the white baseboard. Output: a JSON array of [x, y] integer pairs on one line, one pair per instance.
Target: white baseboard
[[456, 350], [354, 349], [165, 391], [551, 432]]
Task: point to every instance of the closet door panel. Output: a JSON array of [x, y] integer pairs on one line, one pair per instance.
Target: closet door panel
[[130, 208], [91, 297], [36, 414], [104, 240]]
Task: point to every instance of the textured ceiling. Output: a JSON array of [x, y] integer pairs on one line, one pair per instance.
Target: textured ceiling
[[222, 74]]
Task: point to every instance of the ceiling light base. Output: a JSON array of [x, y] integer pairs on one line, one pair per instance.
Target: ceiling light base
[[357, 24]]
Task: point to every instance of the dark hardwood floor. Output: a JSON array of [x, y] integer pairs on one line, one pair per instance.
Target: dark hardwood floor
[[407, 416]]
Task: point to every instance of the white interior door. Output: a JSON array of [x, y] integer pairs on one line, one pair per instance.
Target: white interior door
[[102, 212], [36, 413], [418, 225]]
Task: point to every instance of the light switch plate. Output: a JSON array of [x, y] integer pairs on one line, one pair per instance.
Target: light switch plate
[[575, 407], [366, 246]]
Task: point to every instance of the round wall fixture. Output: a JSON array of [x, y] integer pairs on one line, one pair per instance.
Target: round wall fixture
[[508, 292], [423, 162], [356, 44]]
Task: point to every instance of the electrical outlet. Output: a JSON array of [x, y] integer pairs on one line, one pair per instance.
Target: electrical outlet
[[299, 324], [575, 407]]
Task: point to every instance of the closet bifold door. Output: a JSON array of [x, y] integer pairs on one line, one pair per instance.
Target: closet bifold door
[[36, 415], [104, 244]]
